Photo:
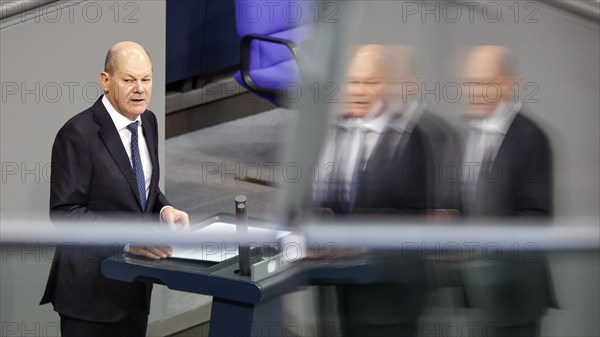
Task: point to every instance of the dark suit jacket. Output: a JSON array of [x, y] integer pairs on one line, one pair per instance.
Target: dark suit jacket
[[402, 175], [393, 181], [519, 181], [92, 179], [443, 171]]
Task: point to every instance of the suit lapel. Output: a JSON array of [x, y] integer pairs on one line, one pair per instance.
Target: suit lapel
[[109, 135], [381, 160], [503, 155], [149, 128], [388, 150]]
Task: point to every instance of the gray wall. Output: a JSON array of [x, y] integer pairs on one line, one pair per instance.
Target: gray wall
[[50, 65]]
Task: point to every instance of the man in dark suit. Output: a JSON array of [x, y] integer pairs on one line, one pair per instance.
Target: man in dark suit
[[369, 155], [508, 173], [383, 149], [508, 155], [403, 144], [105, 167]]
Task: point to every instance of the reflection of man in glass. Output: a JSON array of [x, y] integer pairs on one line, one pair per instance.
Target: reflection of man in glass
[[509, 158], [379, 153], [366, 83], [363, 119], [377, 167], [507, 155], [386, 145]]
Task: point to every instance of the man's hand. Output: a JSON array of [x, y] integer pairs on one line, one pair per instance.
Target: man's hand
[[177, 220], [151, 252]]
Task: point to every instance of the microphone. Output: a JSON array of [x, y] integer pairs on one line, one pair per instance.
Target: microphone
[[241, 218]]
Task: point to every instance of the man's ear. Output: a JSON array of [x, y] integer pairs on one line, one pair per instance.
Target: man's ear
[[104, 80]]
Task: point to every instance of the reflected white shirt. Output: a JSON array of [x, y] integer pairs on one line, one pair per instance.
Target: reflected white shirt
[[359, 132], [486, 136]]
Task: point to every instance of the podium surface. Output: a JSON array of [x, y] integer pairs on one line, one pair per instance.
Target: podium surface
[[240, 306], [245, 307]]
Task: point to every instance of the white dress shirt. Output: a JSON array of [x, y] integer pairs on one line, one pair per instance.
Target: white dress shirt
[[360, 136], [410, 115], [121, 122], [486, 136]]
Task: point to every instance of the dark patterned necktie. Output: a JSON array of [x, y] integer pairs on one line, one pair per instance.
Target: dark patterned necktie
[[136, 160]]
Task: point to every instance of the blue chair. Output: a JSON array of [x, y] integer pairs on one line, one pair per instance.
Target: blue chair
[[272, 59]]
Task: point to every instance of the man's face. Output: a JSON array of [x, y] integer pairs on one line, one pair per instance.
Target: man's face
[[485, 85], [366, 86], [129, 87]]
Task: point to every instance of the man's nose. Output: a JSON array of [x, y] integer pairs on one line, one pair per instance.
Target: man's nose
[[358, 89], [475, 94], [139, 87]]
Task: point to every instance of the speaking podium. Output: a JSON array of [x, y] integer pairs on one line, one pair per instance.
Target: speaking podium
[[249, 307], [240, 306]]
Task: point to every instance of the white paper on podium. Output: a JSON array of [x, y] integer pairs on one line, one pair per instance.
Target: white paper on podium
[[216, 251]]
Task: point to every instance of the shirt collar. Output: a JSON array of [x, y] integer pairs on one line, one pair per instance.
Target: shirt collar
[[375, 124], [500, 120], [378, 123], [409, 117], [119, 120]]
